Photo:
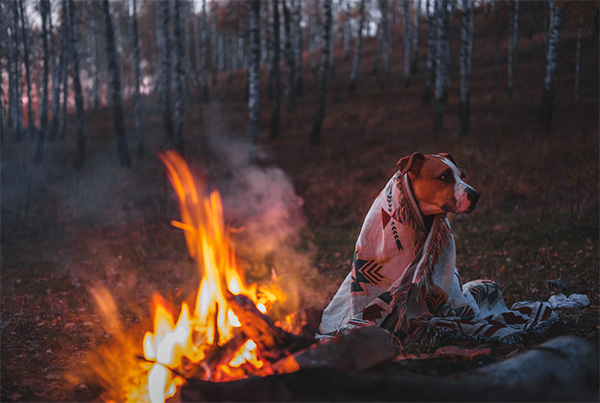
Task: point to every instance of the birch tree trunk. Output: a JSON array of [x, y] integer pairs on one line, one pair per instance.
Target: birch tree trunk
[[39, 150], [275, 81], [313, 37], [55, 78], [315, 137], [160, 47], [18, 106], [496, 53], [64, 67], [11, 45], [290, 59], [26, 51], [556, 20], [431, 50], [578, 58], [380, 39], [95, 59], [166, 74], [387, 42], [357, 46], [441, 77], [466, 20], [197, 56], [137, 100], [254, 70], [113, 65], [347, 32], [407, 40], [512, 46], [80, 135], [415, 38], [298, 47], [215, 41], [204, 39], [179, 77]]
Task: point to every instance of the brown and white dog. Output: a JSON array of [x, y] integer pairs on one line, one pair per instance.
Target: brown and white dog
[[405, 241], [437, 184]]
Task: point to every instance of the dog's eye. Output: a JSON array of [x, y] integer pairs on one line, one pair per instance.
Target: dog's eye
[[445, 177]]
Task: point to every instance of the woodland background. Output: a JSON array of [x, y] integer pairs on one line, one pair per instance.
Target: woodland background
[[297, 115]]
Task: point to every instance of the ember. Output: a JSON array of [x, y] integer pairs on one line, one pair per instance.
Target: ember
[[224, 335]]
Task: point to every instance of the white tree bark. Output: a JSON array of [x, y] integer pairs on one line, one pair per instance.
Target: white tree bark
[[441, 77], [512, 46], [357, 46], [466, 40], [556, 20], [407, 39], [254, 70]]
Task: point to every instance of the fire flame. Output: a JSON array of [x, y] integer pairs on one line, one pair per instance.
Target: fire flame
[[175, 346]]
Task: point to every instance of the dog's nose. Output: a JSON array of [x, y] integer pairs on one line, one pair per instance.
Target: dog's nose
[[473, 197]]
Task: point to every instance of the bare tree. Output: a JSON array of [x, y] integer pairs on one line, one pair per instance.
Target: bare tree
[[179, 77], [64, 62], [315, 137], [407, 40], [466, 41], [357, 46], [53, 71], [578, 57], [415, 38], [74, 42], [254, 70], [347, 31], [137, 100], [18, 90], [442, 56], [39, 151], [113, 65], [513, 42], [95, 70], [298, 47], [290, 58], [430, 8], [496, 52], [274, 75], [26, 52], [386, 43], [11, 44], [166, 73], [556, 20]]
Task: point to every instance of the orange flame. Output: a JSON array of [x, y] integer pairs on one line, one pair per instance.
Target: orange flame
[[211, 322]]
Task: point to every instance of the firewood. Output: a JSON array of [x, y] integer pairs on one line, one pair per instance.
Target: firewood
[[359, 349], [272, 341]]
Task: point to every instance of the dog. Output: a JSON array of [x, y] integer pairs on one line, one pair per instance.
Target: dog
[[405, 250]]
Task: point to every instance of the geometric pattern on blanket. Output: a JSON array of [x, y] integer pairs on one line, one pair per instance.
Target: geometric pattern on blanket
[[404, 279]]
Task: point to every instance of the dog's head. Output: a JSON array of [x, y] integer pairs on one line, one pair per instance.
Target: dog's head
[[438, 184]]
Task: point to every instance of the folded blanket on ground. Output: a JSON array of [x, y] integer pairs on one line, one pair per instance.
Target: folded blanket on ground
[[404, 279]]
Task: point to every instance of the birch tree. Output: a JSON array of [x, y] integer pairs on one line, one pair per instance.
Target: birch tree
[[513, 41], [315, 137], [555, 25], [53, 70], [137, 100], [466, 41], [347, 31], [290, 59], [113, 65], [357, 46], [387, 42], [166, 73], [39, 151], [75, 71], [9, 36], [441, 77], [18, 90], [179, 77], [26, 62], [496, 52], [254, 69], [415, 38], [430, 8], [64, 62], [275, 80], [578, 57], [94, 43], [407, 40], [298, 47]]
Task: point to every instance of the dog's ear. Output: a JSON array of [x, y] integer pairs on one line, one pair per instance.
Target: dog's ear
[[448, 156], [411, 163]]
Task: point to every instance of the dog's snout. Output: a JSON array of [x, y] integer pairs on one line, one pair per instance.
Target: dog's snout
[[473, 196]]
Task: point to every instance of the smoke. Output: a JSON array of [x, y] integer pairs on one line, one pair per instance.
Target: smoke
[[262, 203]]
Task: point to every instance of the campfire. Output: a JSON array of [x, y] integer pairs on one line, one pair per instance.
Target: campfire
[[223, 334]]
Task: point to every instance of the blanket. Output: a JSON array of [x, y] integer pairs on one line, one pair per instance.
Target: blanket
[[404, 279]]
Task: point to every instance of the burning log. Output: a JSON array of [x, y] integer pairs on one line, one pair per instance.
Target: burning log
[[273, 341]]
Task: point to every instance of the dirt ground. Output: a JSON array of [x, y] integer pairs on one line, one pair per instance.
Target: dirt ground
[[65, 232]]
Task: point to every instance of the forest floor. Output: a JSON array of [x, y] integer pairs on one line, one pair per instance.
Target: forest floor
[[65, 232]]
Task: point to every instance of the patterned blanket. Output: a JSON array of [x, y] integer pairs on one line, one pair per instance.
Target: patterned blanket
[[404, 279]]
